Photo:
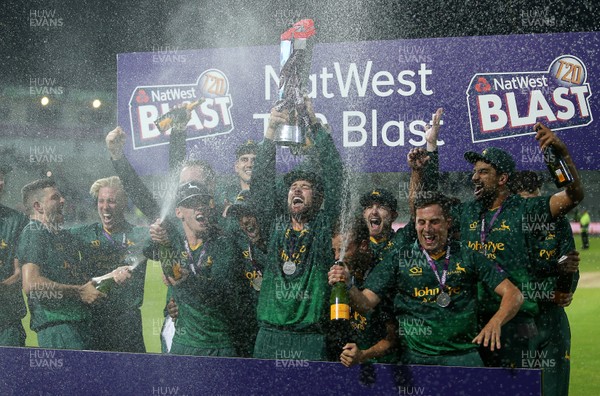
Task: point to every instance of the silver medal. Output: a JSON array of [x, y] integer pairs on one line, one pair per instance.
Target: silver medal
[[443, 299], [289, 268], [257, 282]]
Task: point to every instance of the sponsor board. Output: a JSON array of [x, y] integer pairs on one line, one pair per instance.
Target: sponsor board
[[505, 105]]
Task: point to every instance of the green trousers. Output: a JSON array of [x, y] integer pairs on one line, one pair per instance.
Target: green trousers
[[552, 349], [469, 358], [120, 332], [12, 335], [516, 343], [289, 345], [178, 349], [69, 335]]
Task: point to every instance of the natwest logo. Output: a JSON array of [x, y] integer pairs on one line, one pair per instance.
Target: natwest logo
[[503, 105], [164, 95], [211, 118]]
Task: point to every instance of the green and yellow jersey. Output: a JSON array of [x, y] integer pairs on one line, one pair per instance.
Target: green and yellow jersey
[[12, 305], [60, 258], [210, 298], [108, 251], [425, 326], [505, 240]]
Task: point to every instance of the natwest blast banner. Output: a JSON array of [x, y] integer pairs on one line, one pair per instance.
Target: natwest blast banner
[[378, 98], [211, 118], [503, 105]]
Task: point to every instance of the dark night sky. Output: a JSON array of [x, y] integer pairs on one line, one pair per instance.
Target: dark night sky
[[82, 52]]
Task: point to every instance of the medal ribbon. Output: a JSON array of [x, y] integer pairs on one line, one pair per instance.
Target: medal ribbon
[[252, 261], [485, 232], [293, 242], [442, 280], [190, 257], [109, 237]]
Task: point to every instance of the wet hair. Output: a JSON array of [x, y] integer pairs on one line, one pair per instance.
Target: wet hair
[[30, 192], [301, 173], [111, 182], [525, 181], [249, 147], [211, 177], [435, 198], [357, 228]]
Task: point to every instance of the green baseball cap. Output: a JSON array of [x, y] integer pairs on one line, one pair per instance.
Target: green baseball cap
[[380, 196], [498, 158], [243, 205], [249, 147]]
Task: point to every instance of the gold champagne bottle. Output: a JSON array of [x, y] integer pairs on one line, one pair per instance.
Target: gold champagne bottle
[[166, 121], [340, 328]]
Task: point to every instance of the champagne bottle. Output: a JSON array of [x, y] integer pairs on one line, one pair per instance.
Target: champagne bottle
[[565, 279], [340, 302], [104, 283], [557, 166], [178, 115], [340, 326]]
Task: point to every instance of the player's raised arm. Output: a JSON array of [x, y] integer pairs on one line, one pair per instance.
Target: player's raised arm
[[572, 195], [140, 195]]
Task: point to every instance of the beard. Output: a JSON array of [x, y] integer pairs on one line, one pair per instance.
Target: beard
[[487, 198]]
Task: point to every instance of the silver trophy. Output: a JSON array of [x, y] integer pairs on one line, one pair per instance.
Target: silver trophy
[[295, 54]]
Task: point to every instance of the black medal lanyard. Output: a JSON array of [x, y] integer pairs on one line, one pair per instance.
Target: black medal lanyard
[[252, 261], [190, 257], [443, 299], [483, 234], [289, 266]]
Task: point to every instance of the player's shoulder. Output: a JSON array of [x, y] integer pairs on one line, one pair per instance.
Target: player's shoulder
[[84, 228], [535, 205], [34, 233], [10, 214]]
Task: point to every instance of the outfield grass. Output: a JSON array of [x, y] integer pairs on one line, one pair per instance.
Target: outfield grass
[[155, 293], [584, 314], [590, 258], [584, 317]]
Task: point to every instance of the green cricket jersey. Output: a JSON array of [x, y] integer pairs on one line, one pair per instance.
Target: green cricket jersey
[[295, 293], [381, 248], [371, 327], [12, 305], [211, 300], [424, 326], [108, 251], [60, 258], [297, 300], [550, 241], [507, 242], [253, 259]]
